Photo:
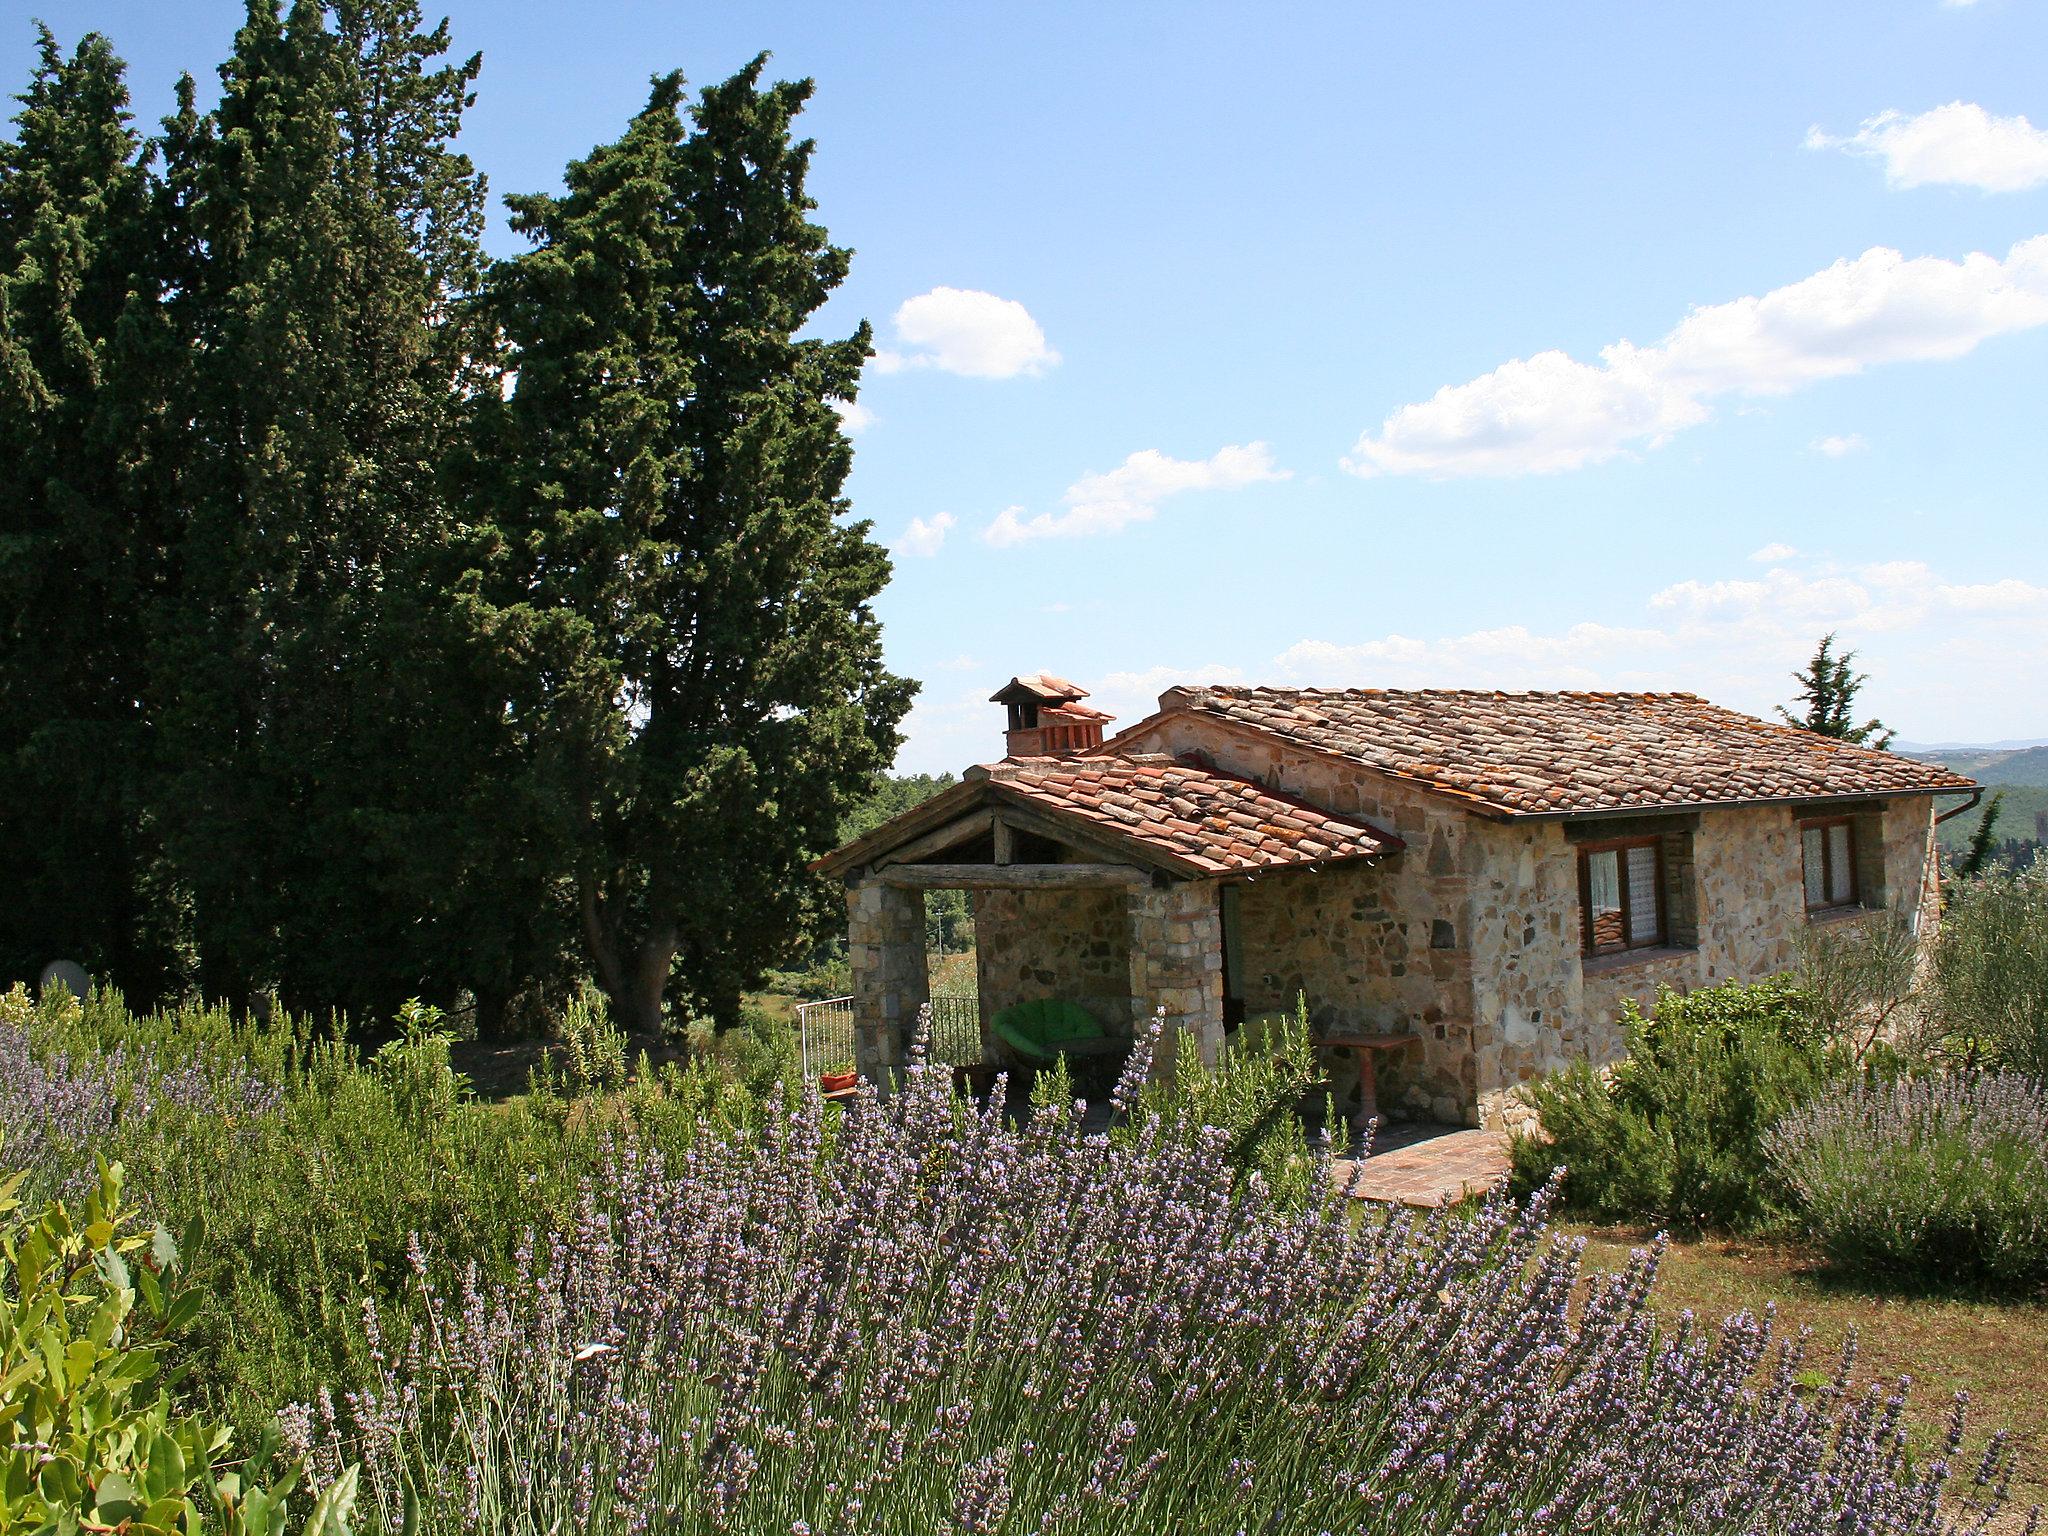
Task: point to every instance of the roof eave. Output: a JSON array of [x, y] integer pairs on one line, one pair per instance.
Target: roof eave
[[1680, 807]]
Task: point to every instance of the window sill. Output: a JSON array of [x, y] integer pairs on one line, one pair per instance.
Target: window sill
[[1629, 959], [1826, 915]]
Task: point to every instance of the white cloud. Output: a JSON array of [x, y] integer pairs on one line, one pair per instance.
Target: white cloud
[[854, 417], [963, 331], [1839, 447], [1772, 553], [924, 538], [1131, 696], [960, 663], [1550, 412], [1131, 493], [1947, 657], [1958, 145]]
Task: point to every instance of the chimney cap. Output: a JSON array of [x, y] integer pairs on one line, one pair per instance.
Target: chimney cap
[[1037, 688]]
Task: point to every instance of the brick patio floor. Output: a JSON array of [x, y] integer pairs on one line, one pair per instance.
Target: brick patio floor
[[1427, 1165]]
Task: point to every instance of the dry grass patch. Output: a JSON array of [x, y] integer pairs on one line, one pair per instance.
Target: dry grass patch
[[1997, 1351]]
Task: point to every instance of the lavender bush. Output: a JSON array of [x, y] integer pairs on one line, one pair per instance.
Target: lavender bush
[[61, 1100], [52, 1112], [927, 1319], [1946, 1177]]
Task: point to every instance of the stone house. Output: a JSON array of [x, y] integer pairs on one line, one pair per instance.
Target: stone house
[[1465, 886]]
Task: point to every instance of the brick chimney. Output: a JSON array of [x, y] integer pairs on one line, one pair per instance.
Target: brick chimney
[[1047, 717]]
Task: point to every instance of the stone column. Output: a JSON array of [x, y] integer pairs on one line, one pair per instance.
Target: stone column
[[1177, 963], [885, 948]]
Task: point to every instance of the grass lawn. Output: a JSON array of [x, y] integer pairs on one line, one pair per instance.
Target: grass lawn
[[1995, 1351]]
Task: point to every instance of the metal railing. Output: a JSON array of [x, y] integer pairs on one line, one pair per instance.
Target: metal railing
[[824, 1036], [956, 1030], [824, 1033]]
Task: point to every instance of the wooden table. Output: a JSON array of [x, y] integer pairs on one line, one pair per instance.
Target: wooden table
[[1368, 1046]]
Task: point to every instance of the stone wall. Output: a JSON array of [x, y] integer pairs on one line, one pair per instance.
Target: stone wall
[[1540, 1004], [885, 951], [1378, 948], [1176, 950], [1056, 943]]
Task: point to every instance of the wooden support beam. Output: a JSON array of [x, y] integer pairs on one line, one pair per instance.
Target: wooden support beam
[[1006, 842], [1009, 877], [962, 830]]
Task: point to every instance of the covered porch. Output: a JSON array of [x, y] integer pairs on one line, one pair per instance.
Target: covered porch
[[1054, 921], [1096, 881]]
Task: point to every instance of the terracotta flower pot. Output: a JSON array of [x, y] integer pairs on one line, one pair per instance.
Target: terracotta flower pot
[[836, 1082]]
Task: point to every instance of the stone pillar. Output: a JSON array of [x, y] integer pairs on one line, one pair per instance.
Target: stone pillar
[[885, 948], [1177, 962]]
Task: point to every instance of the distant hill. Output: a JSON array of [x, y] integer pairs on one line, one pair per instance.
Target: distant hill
[[1992, 765], [2016, 817]]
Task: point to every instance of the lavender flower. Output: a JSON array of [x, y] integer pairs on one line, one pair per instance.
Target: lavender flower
[[52, 1111], [1944, 1176], [920, 1317]]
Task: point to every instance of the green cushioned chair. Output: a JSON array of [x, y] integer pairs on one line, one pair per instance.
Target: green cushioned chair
[[1047, 1028]]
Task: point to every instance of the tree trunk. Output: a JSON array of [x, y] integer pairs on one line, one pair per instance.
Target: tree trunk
[[637, 1009], [633, 979], [491, 1007]]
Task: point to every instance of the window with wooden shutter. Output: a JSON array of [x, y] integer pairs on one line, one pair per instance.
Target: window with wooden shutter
[[1621, 895], [1827, 850]]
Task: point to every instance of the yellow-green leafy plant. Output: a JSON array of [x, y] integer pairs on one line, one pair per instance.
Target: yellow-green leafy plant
[[90, 1437], [596, 1048]]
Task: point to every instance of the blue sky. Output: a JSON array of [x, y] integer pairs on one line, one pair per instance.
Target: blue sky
[[1398, 345]]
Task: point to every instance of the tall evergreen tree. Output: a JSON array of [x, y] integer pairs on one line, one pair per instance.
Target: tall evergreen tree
[[1828, 686], [702, 689], [79, 551], [318, 750], [1984, 840]]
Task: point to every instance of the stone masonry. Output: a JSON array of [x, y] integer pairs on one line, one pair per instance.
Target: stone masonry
[[1176, 950], [885, 949], [1073, 945]]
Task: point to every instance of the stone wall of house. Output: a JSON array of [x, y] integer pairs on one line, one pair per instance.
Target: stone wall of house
[[1540, 1004], [1054, 943], [1176, 950], [885, 952], [1380, 948]]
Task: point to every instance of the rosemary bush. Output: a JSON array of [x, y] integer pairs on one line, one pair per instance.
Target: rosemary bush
[[940, 1321], [1675, 1133], [1945, 1179], [1991, 968]]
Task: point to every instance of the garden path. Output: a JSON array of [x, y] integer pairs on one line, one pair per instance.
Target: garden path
[[1426, 1165]]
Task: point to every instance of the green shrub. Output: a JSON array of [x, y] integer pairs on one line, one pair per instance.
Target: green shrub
[[316, 1169], [85, 1443], [1945, 1179], [595, 1046], [1991, 968], [1253, 1095], [763, 1056], [1675, 1133]]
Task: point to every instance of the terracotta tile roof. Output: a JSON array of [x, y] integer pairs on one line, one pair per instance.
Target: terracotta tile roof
[[1536, 753], [1195, 815]]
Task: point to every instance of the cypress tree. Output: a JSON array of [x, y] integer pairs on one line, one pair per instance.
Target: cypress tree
[[316, 758], [701, 690], [1828, 686], [1984, 840], [79, 551]]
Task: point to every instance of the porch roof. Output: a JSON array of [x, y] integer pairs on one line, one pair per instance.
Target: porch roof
[[1168, 814]]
